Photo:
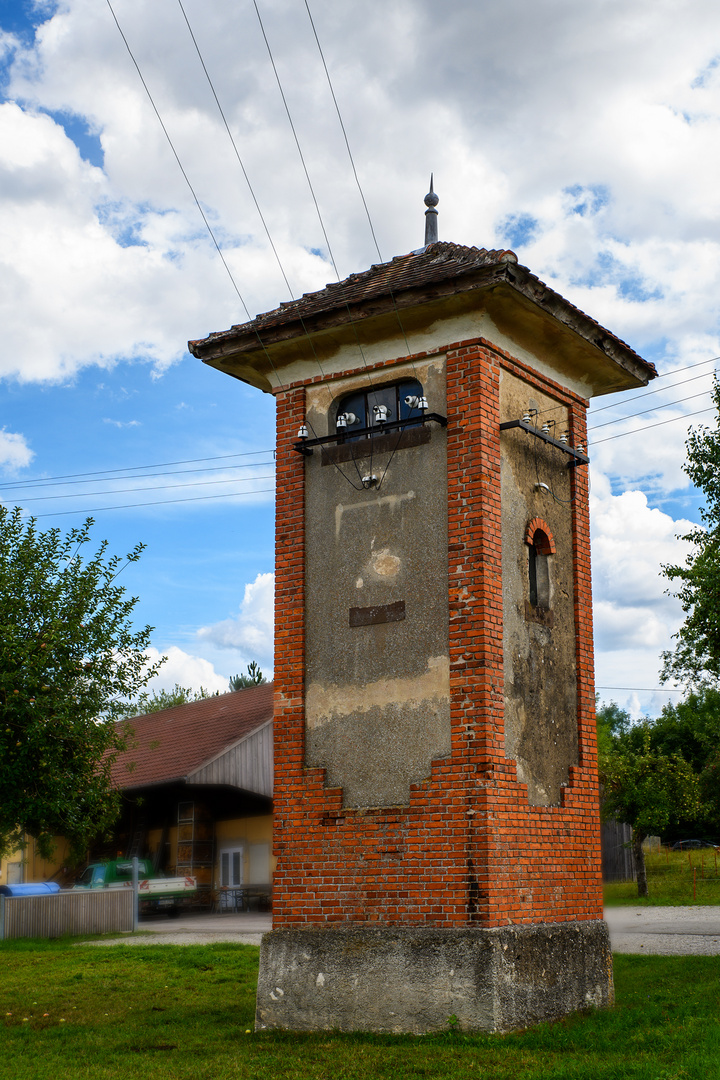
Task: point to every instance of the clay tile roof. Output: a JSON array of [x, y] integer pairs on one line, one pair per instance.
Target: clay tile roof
[[432, 265], [170, 744], [435, 263]]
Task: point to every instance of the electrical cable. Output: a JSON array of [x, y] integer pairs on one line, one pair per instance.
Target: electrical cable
[[257, 205], [159, 464], [688, 367], [557, 499], [357, 179], [179, 163], [314, 198], [644, 412], [164, 502], [392, 455], [297, 141], [656, 408], [644, 689], [648, 427], [342, 126], [237, 152], [202, 213], [155, 487], [660, 390], [192, 190], [172, 472]]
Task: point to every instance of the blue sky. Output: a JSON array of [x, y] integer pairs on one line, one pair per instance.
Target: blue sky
[[583, 136]]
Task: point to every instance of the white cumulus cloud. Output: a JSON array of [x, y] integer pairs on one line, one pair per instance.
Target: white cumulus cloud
[[14, 450], [634, 617], [184, 669], [250, 632]]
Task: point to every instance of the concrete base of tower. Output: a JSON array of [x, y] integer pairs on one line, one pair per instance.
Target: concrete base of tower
[[363, 977]]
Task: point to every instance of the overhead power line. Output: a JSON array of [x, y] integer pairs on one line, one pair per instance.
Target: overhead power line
[[342, 126], [155, 487], [688, 367], [163, 502], [297, 141], [661, 389], [235, 148], [655, 408], [179, 162], [192, 191], [262, 218], [644, 689], [150, 475], [627, 400], [136, 468], [648, 427], [357, 179]]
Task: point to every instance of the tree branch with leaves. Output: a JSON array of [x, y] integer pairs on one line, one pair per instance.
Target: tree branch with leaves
[[647, 789], [70, 662], [695, 660]]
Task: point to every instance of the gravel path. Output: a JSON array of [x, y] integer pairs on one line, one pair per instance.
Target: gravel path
[[665, 931], [670, 931], [180, 938], [244, 928]]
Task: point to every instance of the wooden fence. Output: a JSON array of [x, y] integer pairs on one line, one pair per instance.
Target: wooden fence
[[617, 857], [100, 911]]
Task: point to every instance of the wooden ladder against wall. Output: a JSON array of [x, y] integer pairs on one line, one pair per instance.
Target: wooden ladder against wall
[[195, 847]]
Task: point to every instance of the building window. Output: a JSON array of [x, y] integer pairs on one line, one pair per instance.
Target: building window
[[539, 570], [540, 547], [365, 408]]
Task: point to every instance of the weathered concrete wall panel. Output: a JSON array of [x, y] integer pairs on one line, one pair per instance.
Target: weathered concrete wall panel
[[376, 634], [538, 639]]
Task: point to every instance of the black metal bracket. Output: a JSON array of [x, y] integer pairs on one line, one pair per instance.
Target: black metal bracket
[[576, 458], [347, 435]]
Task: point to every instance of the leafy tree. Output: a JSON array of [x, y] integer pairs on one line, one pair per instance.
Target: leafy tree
[[689, 730], [613, 724], [69, 661], [168, 699], [646, 788], [696, 658], [644, 779], [692, 729], [254, 677]]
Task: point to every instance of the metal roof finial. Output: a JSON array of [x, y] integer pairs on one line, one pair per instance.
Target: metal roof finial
[[431, 215]]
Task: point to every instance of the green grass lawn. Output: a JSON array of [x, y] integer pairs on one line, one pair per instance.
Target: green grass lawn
[[72, 1012], [674, 879]]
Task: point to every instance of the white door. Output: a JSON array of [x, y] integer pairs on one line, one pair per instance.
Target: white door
[[231, 866]]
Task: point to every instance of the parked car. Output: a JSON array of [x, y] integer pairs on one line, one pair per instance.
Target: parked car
[[155, 892], [684, 845]]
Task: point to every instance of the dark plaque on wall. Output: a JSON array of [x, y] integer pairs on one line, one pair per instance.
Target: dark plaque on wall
[[381, 613]]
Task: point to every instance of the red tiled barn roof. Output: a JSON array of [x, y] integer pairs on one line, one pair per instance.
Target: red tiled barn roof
[[168, 745]]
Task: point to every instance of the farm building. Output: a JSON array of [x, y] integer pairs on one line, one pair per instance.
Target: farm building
[[197, 785]]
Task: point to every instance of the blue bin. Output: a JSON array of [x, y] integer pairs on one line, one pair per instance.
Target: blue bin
[[37, 888]]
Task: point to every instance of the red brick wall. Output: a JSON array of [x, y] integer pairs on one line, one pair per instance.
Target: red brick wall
[[469, 849]]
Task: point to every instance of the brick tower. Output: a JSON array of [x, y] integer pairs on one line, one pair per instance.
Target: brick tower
[[436, 803]]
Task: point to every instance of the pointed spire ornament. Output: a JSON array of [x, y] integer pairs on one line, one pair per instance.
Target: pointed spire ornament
[[431, 215]]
